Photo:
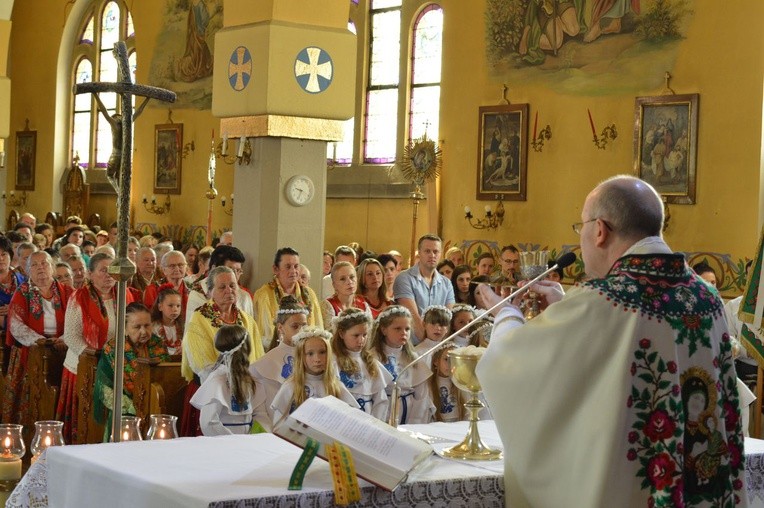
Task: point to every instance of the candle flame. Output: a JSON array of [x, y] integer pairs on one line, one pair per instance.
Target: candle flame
[[47, 441], [7, 442], [125, 436], [161, 434]]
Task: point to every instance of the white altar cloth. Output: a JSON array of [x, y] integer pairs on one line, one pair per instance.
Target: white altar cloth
[[253, 471]]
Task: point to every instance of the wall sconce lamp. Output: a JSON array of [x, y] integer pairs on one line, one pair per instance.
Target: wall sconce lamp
[[243, 152], [492, 220], [608, 134], [13, 201], [229, 210], [188, 148], [538, 138], [154, 208]]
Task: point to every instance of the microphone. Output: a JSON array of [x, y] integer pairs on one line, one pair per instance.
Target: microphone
[[565, 260]]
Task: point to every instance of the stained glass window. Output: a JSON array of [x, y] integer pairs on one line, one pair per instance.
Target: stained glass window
[[107, 22], [381, 122], [426, 56]]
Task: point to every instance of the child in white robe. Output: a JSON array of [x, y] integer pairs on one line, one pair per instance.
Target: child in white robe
[[361, 373], [314, 374], [277, 364], [437, 323], [449, 400], [475, 335], [230, 401], [391, 342]]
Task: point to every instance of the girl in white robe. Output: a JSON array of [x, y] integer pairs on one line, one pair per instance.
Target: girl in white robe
[[230, 401], [314, 374], [449, 400], [391, 342], [277, 364], [361, 373], [437, 323]]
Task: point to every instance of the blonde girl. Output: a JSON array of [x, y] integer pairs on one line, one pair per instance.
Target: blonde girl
[[165, 320], [314, 374], [391, 342], [345, 282], [230, 401], [437, 323], [277, 364], [361, 373], [449, 400]]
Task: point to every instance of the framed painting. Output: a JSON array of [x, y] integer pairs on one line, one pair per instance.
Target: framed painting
[[666, 144], [502, 152], [168, 143], [26, 154]]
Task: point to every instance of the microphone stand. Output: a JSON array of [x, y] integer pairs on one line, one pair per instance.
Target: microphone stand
[[393, 418]]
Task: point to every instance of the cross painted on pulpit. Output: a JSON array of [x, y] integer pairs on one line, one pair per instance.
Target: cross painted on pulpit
[[313, 69]]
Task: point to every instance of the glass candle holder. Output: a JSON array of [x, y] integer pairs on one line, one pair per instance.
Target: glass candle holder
[[162, 427], [12, 448], [47, 433], [129, 429]]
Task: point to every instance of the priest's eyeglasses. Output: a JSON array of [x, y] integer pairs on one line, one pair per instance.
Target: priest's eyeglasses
[[578, 226]]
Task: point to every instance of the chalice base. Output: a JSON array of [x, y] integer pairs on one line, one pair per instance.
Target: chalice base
[[472, 447]]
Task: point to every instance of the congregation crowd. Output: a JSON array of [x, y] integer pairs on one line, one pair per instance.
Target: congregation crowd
[[243, 353]]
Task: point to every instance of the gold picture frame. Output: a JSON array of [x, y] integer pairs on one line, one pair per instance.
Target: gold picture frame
[[502, 152], [26, 159], [666, 144], [168, 145]]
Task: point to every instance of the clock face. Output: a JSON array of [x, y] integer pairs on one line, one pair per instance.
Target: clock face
[[300, 190]]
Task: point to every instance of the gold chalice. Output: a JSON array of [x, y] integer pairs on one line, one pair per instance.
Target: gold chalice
[[463, 363]]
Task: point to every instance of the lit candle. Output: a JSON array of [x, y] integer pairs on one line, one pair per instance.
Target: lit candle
[[224, 149], [162, 434], [241, 147], [535, 125], [47, 441], [10, 465], [591, 122], [125, 436]]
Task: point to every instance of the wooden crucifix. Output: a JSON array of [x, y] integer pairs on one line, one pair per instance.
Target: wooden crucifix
[[120, 174]]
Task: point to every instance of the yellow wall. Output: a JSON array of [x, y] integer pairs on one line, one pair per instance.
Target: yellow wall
[[718, 59]]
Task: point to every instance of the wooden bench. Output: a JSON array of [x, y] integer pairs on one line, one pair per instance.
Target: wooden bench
[[158, 389], [88, 430], [45, 365]]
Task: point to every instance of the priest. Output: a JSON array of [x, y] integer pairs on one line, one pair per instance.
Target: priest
[[623, 391]]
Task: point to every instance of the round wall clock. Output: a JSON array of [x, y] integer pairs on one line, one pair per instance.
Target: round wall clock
[[300, 190]]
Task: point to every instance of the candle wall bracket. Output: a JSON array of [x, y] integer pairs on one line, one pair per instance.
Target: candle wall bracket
[[188, 148], [608, 135], [544, 134], [15, 201], [243, 153], [493, 218], [154, 208]]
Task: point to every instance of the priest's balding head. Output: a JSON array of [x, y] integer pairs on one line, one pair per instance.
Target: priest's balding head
[[618, 213]]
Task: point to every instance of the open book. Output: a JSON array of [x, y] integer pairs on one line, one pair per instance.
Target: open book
[[382, 455]]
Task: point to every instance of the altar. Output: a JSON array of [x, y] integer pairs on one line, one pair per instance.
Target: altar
[[253, 471]]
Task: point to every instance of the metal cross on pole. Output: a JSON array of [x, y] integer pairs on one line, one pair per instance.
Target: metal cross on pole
[[120, 174]]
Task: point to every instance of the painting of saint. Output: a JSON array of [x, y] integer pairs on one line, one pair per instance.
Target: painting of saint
[[503, 149]]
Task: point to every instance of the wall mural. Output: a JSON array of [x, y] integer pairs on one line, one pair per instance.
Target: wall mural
[[730, 273], [567, 43], [184, 52]]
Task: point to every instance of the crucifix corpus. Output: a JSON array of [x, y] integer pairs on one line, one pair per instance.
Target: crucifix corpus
[[119, 173]]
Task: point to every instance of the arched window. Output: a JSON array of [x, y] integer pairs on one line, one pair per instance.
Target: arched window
[[381, 115], [107, 22], [426, 58]]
